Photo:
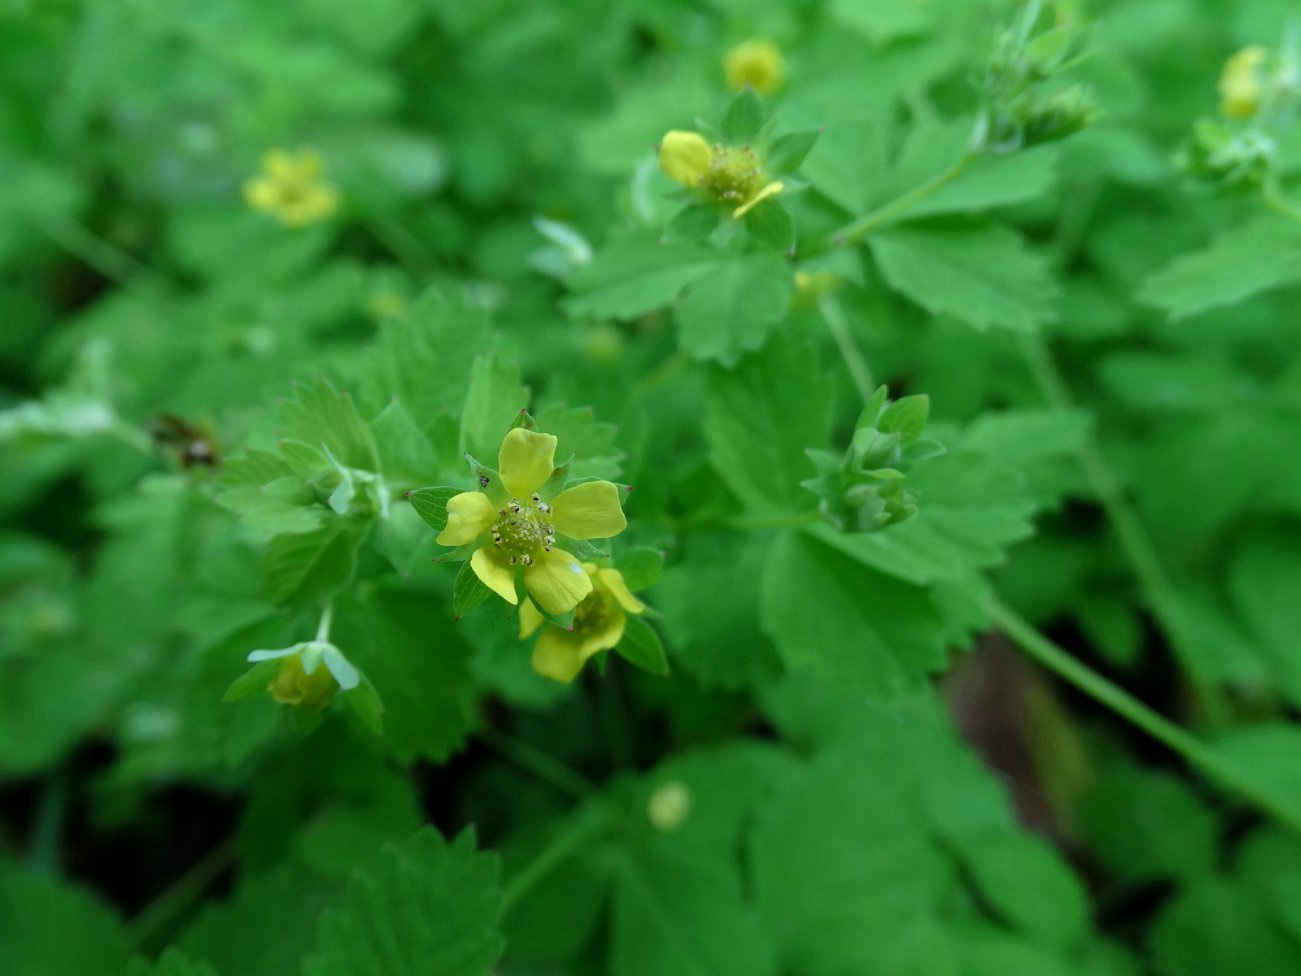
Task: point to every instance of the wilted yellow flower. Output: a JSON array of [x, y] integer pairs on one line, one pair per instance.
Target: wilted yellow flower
[[755, 63], [517, 524], [292, 188], [1241, 84], [599, 622], [730, 175]]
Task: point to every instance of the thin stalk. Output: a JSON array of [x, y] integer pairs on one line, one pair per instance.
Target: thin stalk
[[889, 212], [855, 361], [154, 925], [1191, 749], [1143, 558], [533, 760], [586, 828], [323, 628], [106, 258]]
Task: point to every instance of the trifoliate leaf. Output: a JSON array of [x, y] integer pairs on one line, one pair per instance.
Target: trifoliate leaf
[[426, 908]]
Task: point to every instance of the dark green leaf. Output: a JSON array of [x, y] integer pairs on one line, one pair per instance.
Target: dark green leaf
[[744, 117]]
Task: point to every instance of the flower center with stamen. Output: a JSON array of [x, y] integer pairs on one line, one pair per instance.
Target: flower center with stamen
[[734, 175], [523, 530]]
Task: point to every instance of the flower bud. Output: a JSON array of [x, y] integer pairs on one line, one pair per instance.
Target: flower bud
[[755, 63], [1241, 84], [684, 157], [669, 806]]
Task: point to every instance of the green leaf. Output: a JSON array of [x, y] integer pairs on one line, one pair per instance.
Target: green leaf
[[468, 591], [761, 417], [906, 417], [639, 566], [1239, 263], [633, 277], [493, 401], [319, 415], [770, 226], [427, 908], [406, 455], [641, 646], [692, 224], [1029, 886], [981, 275], [1215, 928], [49, 927], [744, 117], [731, 309], [364, 702], [591, 442], [846, 622], [311, 566], [172, 962], [788, 151], [883, 21], [431, 504]]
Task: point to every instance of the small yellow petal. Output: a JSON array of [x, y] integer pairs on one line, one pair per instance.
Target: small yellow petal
[[525, 461], [1240, 83], [684, 157], [279, 165], [588, 511], [557, 655], [556, 581], [605, 636], [530, 619], [496, 573], [469, 515], [772, 189], [611, 580], [261, 193]]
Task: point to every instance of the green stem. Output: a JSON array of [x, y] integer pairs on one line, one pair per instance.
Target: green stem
[[108, 259], [587, 826], [855, 361], [533, 760], [154, 925], [323, 628], [1160, 589], [1193, 750], [889, 212], [47, 826]]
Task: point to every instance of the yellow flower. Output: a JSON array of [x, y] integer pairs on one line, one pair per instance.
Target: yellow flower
[[598, 625], [516, 524], [730, 175], [1240, 83], [293, 685], [755, 63], [291, 188]]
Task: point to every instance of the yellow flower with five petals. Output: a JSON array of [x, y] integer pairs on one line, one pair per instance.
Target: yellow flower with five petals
[[515, 524], [598, 625], [730, 175], [291, 186]]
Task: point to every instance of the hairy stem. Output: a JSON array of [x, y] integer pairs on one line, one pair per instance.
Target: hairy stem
[[889, 212]]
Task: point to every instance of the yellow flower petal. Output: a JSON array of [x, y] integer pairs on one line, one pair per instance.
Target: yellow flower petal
[[469, 515], [556, 581], [604, 637], [772, 189], [684, 157], [558, 655], [496, 573], [525, 461], [261, 193], [529, 618], [1240, 83], [611, 580], [280, 165], [588, 511]]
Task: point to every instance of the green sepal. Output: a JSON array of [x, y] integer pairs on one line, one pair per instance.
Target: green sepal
[[431, 504], [253, 682], [525, 420], [640, 567], [693, 224], [641, 647], [468, 591], [770, 225], [907, 417], [744, 117], [788, 151], [364, 702]]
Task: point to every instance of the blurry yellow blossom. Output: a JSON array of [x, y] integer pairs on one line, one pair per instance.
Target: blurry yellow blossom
[[598, 625], [730, 175], [1241, 84], [292, 188], [755, 63], [669, 806]]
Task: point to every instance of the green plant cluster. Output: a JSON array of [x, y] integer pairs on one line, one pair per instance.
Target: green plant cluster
[[481, 494]]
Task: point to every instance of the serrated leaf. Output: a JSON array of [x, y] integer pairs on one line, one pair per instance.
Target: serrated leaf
[[983, 276], [427, 908], [640, 567], [1239, 263], [310, 566], [641, 646], [590, 441], [406, 455], [743, 118], [761, 417], [631, 278], [431, 504], [731, 309], [492, 403], [319, 415]]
